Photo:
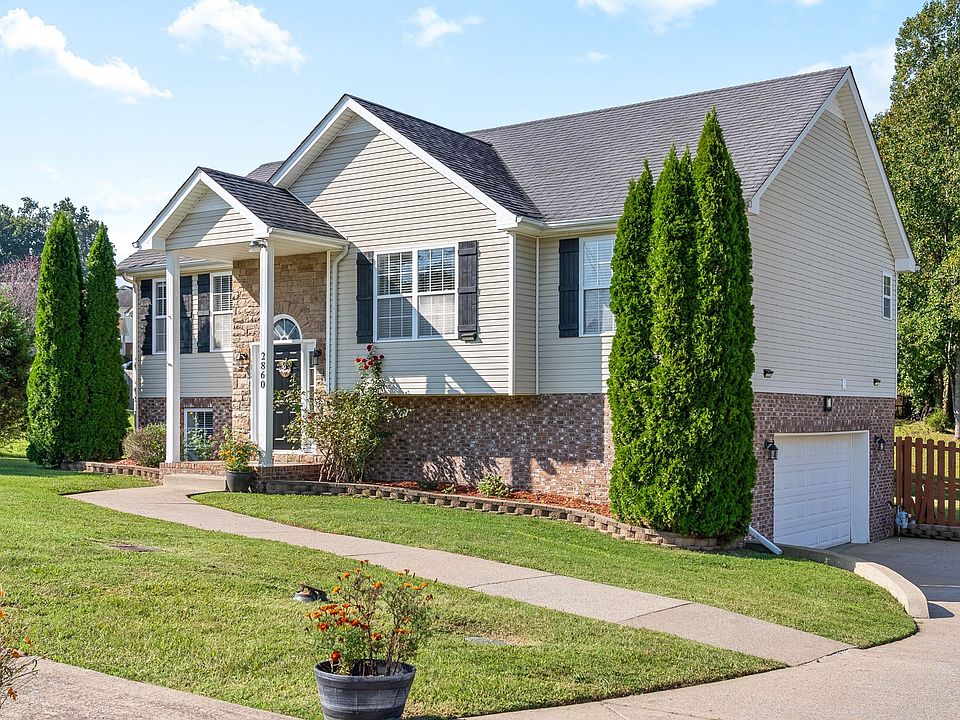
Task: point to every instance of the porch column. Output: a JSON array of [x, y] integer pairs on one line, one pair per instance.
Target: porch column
[[265, 360], [173, 356]]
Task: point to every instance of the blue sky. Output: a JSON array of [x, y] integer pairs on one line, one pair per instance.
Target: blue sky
[[114, 103]]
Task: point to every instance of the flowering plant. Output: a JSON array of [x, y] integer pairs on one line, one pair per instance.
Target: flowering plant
[[16, 665], [236, 452], [370, 622]]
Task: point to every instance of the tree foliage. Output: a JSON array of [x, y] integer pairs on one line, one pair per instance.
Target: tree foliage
[[55, 396], [18, 279], [14, 369], [919, 141], [104, 421], [22, 231]]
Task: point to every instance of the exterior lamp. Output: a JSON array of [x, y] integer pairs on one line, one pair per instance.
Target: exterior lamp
[[881, 443], [876, 381], [827, 403], [242, 360], [315, 356], [767, 373], [771, 447]]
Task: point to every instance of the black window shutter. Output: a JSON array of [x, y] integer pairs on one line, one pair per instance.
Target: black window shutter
[[186, 314], [570, 288], [203, 313], [364, 299], [467, 290], [146, 298]]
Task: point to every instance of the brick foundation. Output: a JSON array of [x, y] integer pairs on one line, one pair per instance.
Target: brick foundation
[[154, 410]]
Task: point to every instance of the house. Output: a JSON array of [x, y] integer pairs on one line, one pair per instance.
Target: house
[[125, 302], [479, 265]]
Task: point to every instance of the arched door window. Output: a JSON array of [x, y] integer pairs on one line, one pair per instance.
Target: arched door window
[[285, 329]]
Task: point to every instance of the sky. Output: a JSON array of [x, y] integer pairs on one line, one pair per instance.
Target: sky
[[115, 103]]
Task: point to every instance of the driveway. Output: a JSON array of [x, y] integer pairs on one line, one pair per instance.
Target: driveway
[[914, 678]]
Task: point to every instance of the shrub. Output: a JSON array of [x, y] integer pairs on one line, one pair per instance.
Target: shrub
[[14, 370], [494, 486], [147, 445], [369, 619], [236, 452], [201, 446], [16, 665], [939, 421], [345, 426]]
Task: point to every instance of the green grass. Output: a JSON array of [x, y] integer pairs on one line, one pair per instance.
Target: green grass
[[920, 429], [797, 593], [212, 614]]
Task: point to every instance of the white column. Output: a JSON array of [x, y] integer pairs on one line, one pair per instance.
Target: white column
[[264, 360], [173, 357]]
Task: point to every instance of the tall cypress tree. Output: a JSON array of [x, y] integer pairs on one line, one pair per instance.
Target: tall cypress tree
[[105, 418], [631, 357], [722, 426], [668, 470], [55, 398]]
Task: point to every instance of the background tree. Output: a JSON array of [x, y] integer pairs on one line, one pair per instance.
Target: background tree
[[22, 232], [722, 424], [18, 279], [54, 397], [919, 141], [104, 421], [14, 369], [631, 356]]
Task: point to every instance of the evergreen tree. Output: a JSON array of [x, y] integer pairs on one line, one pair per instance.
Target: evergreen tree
[[722, 425], [631, 358], [55, 398], [14, 369], [668, 468], [104, 422]]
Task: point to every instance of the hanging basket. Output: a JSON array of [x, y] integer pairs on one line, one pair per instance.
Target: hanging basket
[[285, 368]]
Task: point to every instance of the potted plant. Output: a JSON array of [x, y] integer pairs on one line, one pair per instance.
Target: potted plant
[[369, 632], [236, 453]]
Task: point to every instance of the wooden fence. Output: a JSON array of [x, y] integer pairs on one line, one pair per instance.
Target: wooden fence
[[926, 480]]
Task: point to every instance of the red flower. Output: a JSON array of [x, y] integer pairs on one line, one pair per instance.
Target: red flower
[[335, 657], [369, 347], [358, 360]]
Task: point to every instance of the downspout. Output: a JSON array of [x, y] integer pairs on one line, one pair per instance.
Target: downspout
[[333, 275], [536, 324], [135, 349], [763, 541]]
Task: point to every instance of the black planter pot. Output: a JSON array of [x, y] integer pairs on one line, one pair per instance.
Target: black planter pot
[[239, 481], [364, 697]]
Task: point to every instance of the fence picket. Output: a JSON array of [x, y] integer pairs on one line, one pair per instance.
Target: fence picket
[[940, 504], [953, 513], [926, 482]]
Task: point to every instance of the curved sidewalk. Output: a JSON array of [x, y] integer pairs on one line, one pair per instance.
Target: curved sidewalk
[[693, 621]]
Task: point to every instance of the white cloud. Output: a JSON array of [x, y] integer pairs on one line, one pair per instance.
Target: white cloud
[[660, 14], [432, 27], [873, 68], [807, 3], [594, 56], [238, 27], [20, 31]]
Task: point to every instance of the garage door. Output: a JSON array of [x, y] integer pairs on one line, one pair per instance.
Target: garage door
[[812, 490]]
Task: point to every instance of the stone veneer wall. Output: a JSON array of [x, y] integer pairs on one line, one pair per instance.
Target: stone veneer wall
[[154, 410], [299, 291]]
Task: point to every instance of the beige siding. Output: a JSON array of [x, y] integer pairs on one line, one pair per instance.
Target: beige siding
[[525, 317], [381, 197], [211, 220], [201, 375]]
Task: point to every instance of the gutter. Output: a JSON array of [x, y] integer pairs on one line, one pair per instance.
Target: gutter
[[333, 276]]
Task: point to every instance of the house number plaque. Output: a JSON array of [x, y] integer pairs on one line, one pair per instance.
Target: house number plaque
[[263, 370]]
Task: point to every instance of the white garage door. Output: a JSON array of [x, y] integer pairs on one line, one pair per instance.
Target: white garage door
[[812, 490]]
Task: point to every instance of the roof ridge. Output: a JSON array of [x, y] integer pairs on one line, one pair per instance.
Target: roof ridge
[[711, 91], [246, 178], [420, 119]]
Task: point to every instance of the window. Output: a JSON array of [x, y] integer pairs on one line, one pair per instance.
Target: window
[[595, 283], [285, 330], [159, 316], [222, 303], [196, 424], [430, 294], [887, 296]]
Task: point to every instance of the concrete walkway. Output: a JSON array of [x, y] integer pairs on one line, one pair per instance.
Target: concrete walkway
[[914, 678], [702, 623]]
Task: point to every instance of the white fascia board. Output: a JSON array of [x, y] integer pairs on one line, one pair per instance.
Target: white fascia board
[[157, 269], [260, 229], [283, 176], [148, 235], [584, 226], [322, 242]]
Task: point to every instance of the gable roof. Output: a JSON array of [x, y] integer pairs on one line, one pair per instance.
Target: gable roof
[[264, 171], [576, 166]]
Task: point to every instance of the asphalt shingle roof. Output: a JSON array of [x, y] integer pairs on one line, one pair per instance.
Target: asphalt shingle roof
[[265, 171], [577, 166]]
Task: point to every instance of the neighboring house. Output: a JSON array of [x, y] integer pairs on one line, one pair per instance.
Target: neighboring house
[[125, 301], [479, 264]]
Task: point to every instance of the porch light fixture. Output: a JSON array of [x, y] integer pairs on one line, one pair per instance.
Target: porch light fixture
[[241, 360], [767, 373], [827, 403], [881, 443], [315, 356], [258, 244], [772, 450], [876, 381]]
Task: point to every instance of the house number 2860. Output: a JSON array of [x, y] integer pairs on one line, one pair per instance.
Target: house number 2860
[[263, 370]]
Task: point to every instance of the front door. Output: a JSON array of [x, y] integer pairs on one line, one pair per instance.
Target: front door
[[286, 374]]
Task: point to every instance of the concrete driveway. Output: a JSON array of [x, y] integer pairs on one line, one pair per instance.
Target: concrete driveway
[[917, 678]]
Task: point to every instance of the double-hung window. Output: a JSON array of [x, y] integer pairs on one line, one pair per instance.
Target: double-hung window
[[595, 274], [159, 316], [887, 296], [416, 304], [221, 329], [197, 427]]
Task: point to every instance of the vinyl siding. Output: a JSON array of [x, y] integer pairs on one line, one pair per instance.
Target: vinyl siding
[[819, 253], [201, 375], [525, 317], [212, 221], [381, 197]]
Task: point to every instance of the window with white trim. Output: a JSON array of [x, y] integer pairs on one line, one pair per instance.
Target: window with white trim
[[421, 304], [887, 296], [197, 423], [221, 304], [595, 274], [159, 316]]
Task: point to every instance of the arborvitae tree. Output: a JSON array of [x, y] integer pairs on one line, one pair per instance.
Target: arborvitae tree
[[104, 422], [722, 425], [631, 357], [55, 397], [14, 368], [669, 469]]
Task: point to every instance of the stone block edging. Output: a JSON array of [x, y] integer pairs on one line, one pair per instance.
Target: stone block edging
[[906, 593], [105, 468], [502, 506], [933, 532]]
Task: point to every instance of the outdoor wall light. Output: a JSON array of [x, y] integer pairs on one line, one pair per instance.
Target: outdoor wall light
[[881, 443], [772, 450], [827, 403], [767, 373], [242, 360], [876, 381], [315, 356]]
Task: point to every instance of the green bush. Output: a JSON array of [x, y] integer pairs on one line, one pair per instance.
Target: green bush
[[147, 445], [493, 486], [14, 370], [939, 421]]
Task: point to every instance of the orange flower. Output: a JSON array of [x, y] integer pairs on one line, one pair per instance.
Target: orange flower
[[335, 589], [11, 693], [323, 627], [335, 657], [378, 584], [345, 575]]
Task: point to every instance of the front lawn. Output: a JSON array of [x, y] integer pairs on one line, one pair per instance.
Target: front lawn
[[211, 614], [797, 593]]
